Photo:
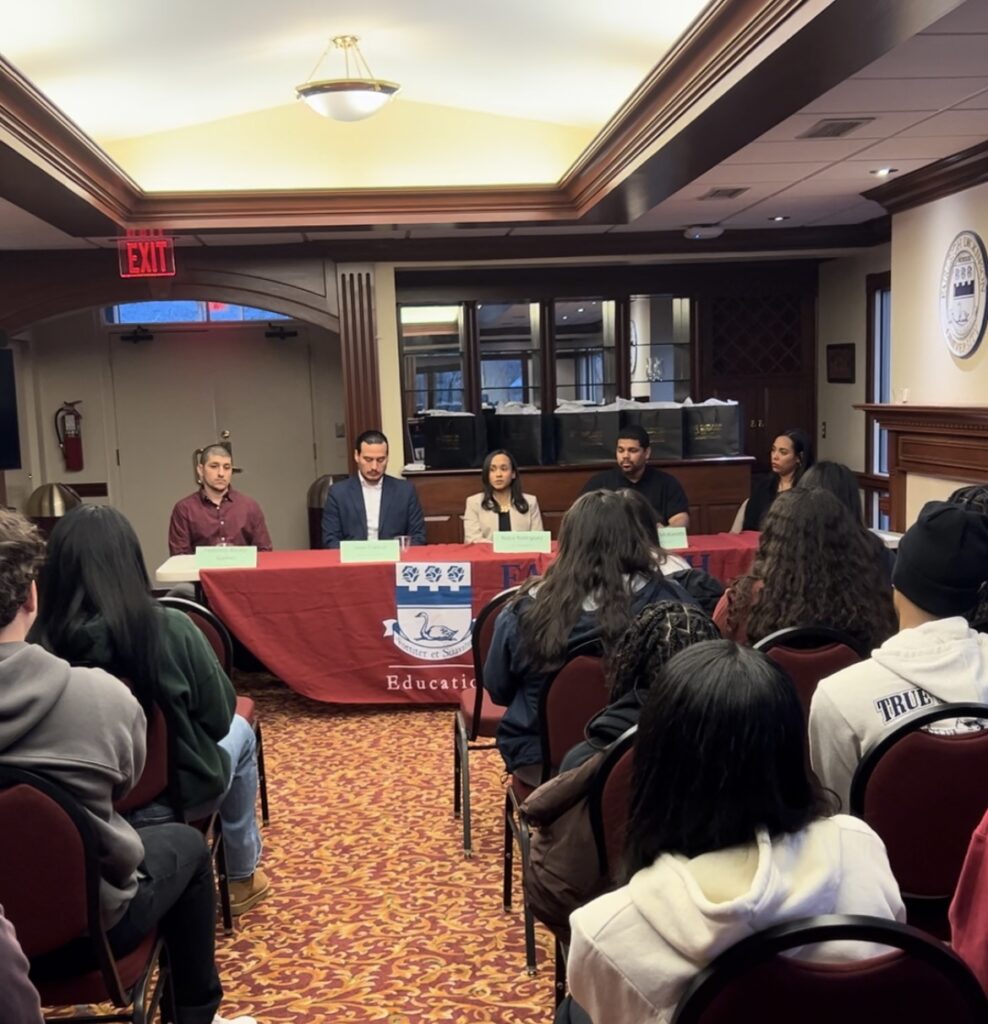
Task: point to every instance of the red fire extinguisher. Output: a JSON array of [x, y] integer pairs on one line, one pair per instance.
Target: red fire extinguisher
[[68, 430]]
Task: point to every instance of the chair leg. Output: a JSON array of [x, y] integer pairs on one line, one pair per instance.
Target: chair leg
[[222, 879], [456, 768], [262, 777], [560, 973], [524, 842], [509, 851], [465, 785]]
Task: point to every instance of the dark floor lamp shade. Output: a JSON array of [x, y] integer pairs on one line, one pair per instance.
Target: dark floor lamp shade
[[10, 441]]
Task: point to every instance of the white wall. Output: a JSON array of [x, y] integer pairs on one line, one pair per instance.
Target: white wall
[[842, 319], [921, 361], [69, 358]]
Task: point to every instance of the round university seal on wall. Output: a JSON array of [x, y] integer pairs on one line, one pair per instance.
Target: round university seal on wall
[[962, 294]]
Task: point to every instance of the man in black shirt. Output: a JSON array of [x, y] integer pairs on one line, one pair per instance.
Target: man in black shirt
[[663, 491]]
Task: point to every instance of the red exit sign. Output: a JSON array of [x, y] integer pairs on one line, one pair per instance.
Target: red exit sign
[[146, 256]]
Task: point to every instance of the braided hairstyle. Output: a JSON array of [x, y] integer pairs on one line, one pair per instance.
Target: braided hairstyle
[[659, 632], [975, 499]]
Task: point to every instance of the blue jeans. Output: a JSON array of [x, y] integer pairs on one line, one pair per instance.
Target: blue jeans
[[175, 892], [236, 804]]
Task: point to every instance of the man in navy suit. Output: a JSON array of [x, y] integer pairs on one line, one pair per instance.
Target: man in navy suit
[[371, 505]]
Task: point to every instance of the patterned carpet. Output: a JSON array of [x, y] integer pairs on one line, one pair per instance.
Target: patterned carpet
[[375, 913]]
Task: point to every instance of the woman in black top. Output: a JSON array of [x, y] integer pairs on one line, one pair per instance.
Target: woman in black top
[[792, 455]]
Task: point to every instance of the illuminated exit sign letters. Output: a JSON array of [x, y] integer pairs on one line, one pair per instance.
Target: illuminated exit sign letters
[[146, 256]]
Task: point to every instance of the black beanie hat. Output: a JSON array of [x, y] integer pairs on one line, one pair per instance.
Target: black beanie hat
[[943, 559]]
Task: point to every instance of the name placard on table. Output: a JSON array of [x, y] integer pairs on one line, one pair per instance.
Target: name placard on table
[[673, 538], [369, 551], [510, 542], [231, 556]]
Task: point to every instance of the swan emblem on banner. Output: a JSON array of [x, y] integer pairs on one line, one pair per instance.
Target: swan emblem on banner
[[434, 610]]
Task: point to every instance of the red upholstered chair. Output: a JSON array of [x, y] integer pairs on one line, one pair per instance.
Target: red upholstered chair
[[477, 717], [567, 702], [49, 887], [925, 793], [154, 780], [811, 653], [922, 982], [214, 630]]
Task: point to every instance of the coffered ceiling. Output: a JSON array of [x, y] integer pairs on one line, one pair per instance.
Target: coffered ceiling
[[516, 120]]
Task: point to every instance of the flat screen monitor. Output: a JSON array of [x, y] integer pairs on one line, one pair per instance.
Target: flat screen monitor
[[10, 440]]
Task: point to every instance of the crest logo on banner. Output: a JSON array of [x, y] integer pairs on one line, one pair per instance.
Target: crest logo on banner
[[434, 605]]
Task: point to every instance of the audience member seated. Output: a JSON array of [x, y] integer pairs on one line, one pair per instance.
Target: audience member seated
[[843, 485], [19, 1003], [975, 499], [606, 571], [662, 490], [969, 907], [501, 505], [372, 505], [86, 732], [792, 455], [728, 834], [934, 658], [814, 567], [97, 609], [659, 632]]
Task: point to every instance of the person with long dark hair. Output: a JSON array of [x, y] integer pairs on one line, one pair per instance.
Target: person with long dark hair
[[815, 566], [97, 609], [607, 569], [728, 834], [791, 455], [658, 633], [501, 505]]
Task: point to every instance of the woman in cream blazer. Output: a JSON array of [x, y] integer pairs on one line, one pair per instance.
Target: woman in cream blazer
[[501, 494]]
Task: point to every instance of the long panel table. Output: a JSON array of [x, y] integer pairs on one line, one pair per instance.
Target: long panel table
[[385, 633]]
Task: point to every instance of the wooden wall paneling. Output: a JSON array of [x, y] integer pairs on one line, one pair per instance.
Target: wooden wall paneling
[[547, 346], [471, 358], [622, 345], [715, 488], [358, 343], [950, 442]]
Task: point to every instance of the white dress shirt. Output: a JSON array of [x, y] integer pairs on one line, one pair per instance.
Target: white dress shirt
[[372, 505]]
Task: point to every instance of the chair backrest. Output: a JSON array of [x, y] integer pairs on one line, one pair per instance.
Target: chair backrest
[[155, 779], [925, 793], [49, 871], [209, 625], [739, 517], [568, 700], [811, 653], [480, 643], [925, 981], [610, 802]]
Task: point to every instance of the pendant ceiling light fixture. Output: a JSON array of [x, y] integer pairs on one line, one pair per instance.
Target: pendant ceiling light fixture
[[352, 98]]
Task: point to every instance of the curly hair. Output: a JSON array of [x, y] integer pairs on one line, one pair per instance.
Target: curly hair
[[660, 631], [815, 566], [602, 546], [22, 553], [975, 499]]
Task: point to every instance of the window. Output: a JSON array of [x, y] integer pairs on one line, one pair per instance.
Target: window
[[660, 348], [878, 388], [585, 358], [432, 358], [185, 311], [509, 343]]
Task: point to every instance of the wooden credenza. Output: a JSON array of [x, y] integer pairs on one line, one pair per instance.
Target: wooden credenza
[[715, 488]]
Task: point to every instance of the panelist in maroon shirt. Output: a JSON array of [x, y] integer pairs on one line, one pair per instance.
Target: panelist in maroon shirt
[[216, 514]]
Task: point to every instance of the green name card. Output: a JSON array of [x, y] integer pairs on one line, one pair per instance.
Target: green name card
[[233, 556], [673, 538], [510, 542], [369, 551]]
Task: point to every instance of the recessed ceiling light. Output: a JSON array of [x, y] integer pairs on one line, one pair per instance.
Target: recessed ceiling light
[[778, 217], [580, 310], [699, 231], [884, 172], [565, 317]]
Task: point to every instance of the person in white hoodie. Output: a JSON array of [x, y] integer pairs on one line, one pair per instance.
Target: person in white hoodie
[[727, 835], [935, 658]]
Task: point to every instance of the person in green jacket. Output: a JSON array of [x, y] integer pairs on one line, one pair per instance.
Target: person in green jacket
[[97, 610]]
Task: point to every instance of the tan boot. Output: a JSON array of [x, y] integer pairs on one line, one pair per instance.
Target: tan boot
[[245, 892]]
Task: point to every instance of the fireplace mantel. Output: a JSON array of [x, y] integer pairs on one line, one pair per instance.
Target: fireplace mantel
[[948, 441]]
